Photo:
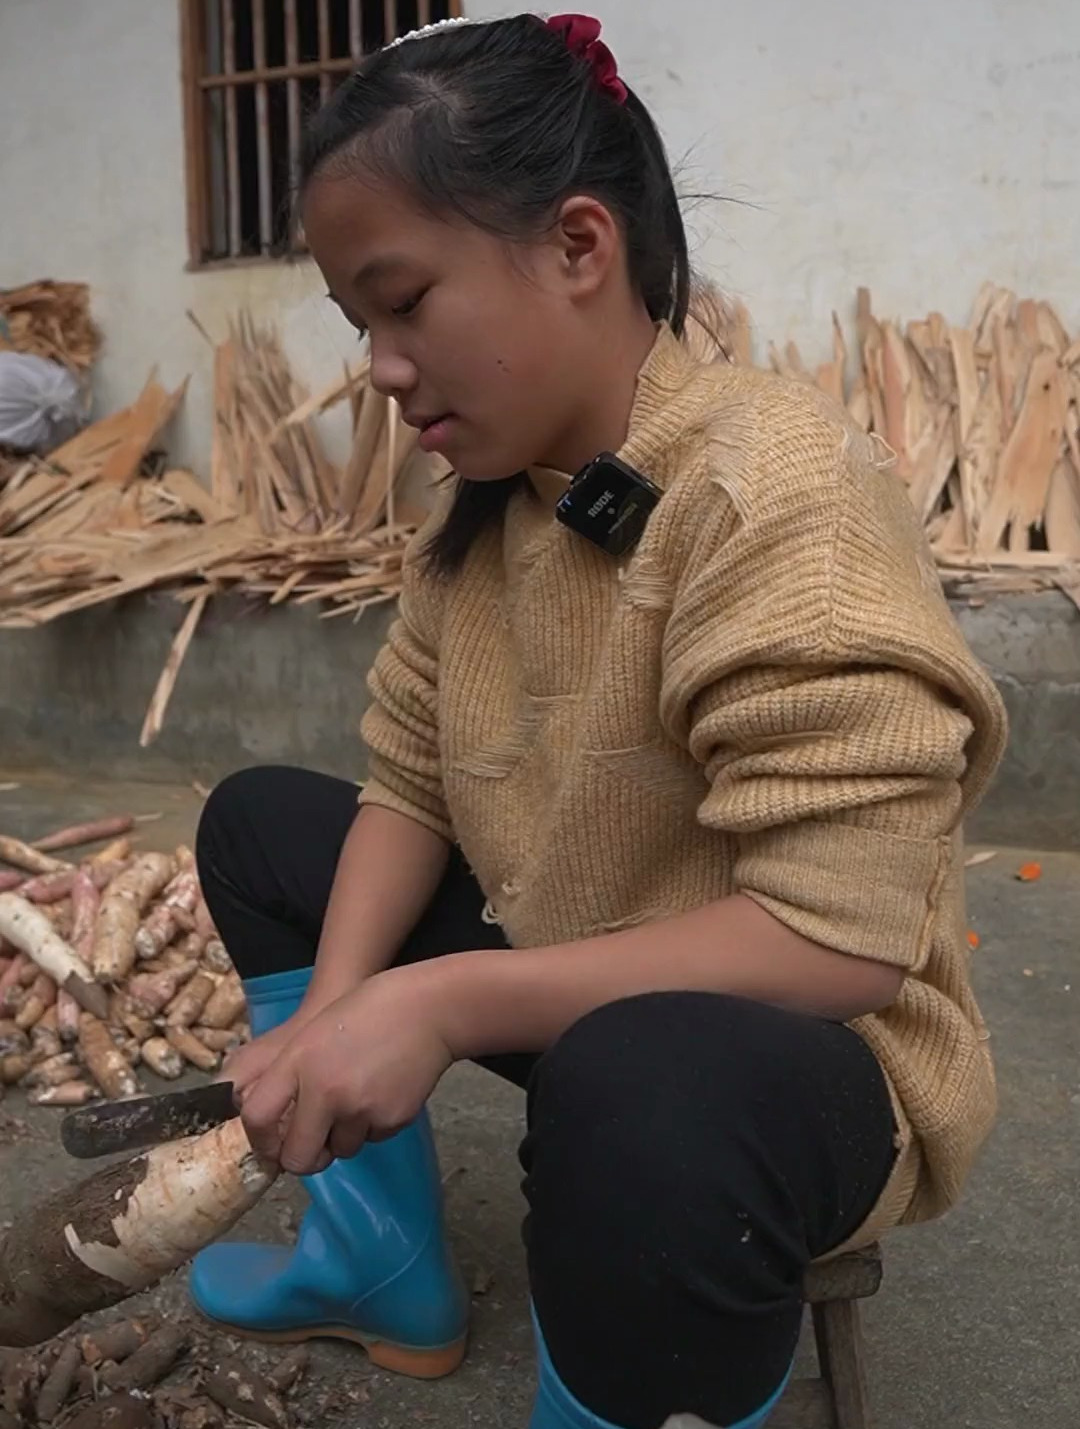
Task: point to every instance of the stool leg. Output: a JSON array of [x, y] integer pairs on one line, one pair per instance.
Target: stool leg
[[838, 1334]]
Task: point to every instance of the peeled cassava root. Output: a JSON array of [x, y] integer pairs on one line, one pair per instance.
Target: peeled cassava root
[[119, 1231], [29, 929]]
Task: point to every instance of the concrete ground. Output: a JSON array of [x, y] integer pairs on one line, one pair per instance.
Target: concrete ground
[[978, 1321]]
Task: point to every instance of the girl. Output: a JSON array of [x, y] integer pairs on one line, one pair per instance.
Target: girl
[[665, 829]]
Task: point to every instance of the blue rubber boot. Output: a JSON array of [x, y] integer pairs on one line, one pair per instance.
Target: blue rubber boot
[[556, 1408], [371, 1263]]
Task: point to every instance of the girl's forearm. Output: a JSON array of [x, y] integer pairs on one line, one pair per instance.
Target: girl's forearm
[[390, 866], [524, 999]]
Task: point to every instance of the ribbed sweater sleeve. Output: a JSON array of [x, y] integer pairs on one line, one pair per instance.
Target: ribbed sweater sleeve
[[400, 726], [836, 740]]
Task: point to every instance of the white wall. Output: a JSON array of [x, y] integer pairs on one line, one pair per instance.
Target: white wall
[[92, 188], [917, 148]]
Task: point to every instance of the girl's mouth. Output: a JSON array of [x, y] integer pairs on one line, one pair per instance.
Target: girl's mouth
[[434, 433]]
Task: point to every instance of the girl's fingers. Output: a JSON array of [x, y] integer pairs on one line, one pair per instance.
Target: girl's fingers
[[244, 1066], [348, 1136], [265, 1108], [308, 1131]]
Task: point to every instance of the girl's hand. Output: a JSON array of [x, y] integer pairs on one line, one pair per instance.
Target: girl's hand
[[360, 1070], [247, 1064]]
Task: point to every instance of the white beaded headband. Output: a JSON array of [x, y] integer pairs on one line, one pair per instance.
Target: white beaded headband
[[432, 29], [581, 34]]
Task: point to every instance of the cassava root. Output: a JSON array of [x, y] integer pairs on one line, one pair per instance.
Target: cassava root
[[93, 832], [103, 1059], [122, 906], [192, 1049], [92, 1244], [225, 1005], [161, 1058], [21, 855], [243, 1392], [58, 1382], [188, 1004], [185, 1005], [67, 1094], [161, 923], [151, 1361], [113, 1342], [29, 930]]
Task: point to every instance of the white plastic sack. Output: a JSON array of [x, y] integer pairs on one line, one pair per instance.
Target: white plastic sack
[[41, 403]]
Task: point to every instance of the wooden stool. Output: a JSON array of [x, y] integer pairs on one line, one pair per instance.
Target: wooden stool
[[838, 1398]]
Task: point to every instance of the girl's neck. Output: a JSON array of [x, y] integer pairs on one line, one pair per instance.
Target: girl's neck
[[603, 423]]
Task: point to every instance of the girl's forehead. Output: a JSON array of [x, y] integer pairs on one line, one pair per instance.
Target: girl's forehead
[[366, 229], [361, 207]]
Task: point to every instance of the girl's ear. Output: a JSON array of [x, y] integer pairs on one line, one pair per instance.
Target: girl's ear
[[586, 240]]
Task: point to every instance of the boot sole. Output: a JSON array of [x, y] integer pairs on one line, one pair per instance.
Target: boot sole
[[398, 1359]]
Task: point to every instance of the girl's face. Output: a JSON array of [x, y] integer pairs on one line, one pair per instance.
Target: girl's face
[[489, 347]]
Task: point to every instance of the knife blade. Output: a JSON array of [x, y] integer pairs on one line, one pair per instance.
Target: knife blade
[[137, 1122]]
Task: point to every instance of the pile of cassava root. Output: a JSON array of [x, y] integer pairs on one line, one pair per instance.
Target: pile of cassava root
[[108, 965], [140, 1374]]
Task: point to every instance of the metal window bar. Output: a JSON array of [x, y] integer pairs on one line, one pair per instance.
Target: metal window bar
[[356, 42], [324, 52], [292, 88], [232, 147], [262, 128]]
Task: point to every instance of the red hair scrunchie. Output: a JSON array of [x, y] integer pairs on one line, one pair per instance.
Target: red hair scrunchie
[[581, 34]]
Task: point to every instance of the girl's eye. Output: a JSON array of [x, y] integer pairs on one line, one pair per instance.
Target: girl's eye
[[409, 306]]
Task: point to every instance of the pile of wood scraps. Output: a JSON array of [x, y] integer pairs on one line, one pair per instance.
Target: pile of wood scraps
[[984, 422], [50, 320], [103, 517], [106, 966]]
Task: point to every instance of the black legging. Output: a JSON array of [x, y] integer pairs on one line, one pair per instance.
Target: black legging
[[687, 1153]]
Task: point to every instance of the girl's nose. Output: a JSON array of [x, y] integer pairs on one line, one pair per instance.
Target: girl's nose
[[392, 374]]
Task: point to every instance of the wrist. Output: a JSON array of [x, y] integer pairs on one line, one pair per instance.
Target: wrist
[[325, 989], [339, 971], [463, 994], [437, 992]]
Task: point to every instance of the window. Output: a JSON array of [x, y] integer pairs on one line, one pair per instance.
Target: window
[[252, 71]]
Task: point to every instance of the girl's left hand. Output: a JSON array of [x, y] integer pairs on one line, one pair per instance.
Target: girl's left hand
[[358, 1071]]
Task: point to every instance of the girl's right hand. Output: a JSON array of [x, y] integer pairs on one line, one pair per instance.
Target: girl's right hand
[[247, 1064]]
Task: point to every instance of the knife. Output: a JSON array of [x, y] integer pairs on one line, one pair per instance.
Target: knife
[[138, 1122]]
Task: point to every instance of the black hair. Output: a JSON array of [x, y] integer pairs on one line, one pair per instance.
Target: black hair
[[499, 122]]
